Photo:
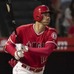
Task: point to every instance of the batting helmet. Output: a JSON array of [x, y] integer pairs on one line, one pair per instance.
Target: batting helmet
[[37, 14]]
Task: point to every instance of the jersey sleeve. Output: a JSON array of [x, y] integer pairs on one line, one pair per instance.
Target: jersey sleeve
[[50, 45], [52, 37], [10, 44]]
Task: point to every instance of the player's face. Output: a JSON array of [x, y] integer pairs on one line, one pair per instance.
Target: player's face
[[46, 19]]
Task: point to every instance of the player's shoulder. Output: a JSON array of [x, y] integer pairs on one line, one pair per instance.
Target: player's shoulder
[[51, 29], [52, 32]]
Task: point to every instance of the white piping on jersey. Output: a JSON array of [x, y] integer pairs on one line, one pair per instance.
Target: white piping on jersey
[[8, 44], [51, 42], [37, 33], [10, 41]]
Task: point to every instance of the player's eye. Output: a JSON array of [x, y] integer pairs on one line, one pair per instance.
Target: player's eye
[[46, 14]]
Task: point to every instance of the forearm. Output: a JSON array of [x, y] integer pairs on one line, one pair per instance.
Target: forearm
[[44, 50], [10, 49], [16, 50]]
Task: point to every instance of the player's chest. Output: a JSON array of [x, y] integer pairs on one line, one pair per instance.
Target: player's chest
[[34, 40]]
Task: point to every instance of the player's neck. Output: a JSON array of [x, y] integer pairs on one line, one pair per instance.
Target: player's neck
[[38, 27]]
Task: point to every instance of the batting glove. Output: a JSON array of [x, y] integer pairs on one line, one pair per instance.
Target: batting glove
[[20, 49]]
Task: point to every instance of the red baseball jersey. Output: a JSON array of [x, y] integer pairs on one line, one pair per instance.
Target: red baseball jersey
[[40, 45]]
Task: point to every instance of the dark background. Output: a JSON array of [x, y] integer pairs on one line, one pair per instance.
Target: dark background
[[58, 63]]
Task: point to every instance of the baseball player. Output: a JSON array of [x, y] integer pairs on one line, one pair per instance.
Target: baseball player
[[36, 41]]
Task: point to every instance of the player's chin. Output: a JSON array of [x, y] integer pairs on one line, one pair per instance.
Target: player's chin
[[46, 23]]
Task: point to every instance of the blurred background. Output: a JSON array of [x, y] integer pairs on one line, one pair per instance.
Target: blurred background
[[61, 61]]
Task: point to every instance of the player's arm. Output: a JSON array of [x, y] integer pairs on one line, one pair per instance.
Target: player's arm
[[10, 44], [13, 48], [50, 45]]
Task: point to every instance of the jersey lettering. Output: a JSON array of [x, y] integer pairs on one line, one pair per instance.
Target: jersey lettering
[[35, 44], [43, 59]]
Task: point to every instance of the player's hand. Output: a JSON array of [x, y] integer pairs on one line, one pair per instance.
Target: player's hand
[[20, 49], [19, 54]]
